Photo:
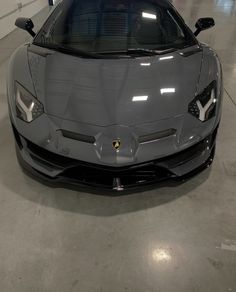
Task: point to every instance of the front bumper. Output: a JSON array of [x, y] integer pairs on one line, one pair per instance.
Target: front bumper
[[60, 170]]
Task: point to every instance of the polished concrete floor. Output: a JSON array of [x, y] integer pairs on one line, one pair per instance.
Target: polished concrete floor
[[168, 239]]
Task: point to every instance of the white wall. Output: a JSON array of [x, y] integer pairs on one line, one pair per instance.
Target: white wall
[[12, 7]]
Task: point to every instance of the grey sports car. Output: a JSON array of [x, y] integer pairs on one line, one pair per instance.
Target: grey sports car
[[114, 94]]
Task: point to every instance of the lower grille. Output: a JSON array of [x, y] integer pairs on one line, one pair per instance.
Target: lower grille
[[113, 179]]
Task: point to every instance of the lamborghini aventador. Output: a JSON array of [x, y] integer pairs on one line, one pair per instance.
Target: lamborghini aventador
[[114, 94]]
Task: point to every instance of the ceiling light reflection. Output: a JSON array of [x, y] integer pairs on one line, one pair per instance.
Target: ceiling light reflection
[[140, 98], [145, 64], [161, 255], [149, 15], [167, 90], [166, 58]]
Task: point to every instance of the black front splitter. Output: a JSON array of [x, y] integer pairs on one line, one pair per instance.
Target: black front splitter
[[118, 189]]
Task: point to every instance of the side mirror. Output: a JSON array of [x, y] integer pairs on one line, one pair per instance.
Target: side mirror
[[25, 24], [203, 24]]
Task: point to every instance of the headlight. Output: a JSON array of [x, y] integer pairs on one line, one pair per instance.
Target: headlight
[[28, 108], [203, 106]]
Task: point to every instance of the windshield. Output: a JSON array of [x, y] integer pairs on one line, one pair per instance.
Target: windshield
[[114, 26]]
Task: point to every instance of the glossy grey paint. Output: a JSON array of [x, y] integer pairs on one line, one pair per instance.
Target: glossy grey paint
[[100, 91], [94, 97]]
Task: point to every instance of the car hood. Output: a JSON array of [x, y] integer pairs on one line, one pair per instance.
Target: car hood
[[107, 92]]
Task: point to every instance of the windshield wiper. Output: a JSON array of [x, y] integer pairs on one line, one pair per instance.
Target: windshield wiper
[[149, 52], [137, 52], [77, 52], [69, 50]]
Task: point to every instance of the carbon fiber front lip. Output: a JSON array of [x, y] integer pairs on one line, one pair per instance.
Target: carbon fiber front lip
[[73, 172], [98, 189]]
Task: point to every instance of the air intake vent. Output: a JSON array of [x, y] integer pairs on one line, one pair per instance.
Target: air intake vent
[[156, 136], [78, 137]]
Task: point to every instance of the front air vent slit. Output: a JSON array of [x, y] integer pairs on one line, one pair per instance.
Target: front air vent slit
[[156, 136], [78, 137]]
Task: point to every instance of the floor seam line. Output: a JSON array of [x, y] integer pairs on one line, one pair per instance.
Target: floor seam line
[[230, 97]]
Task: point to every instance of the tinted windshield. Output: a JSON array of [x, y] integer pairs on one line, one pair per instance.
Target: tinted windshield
[[109, 26]]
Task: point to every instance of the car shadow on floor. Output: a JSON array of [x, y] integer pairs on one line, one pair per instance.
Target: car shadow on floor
[[76, 200]]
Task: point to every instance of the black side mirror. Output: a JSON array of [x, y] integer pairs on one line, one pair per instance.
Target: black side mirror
[[26, 24], [203, 24]]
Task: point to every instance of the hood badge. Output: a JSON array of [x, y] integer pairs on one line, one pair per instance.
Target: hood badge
[[116, 144]]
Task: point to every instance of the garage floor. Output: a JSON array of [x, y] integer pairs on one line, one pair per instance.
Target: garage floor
[[168, 239]]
